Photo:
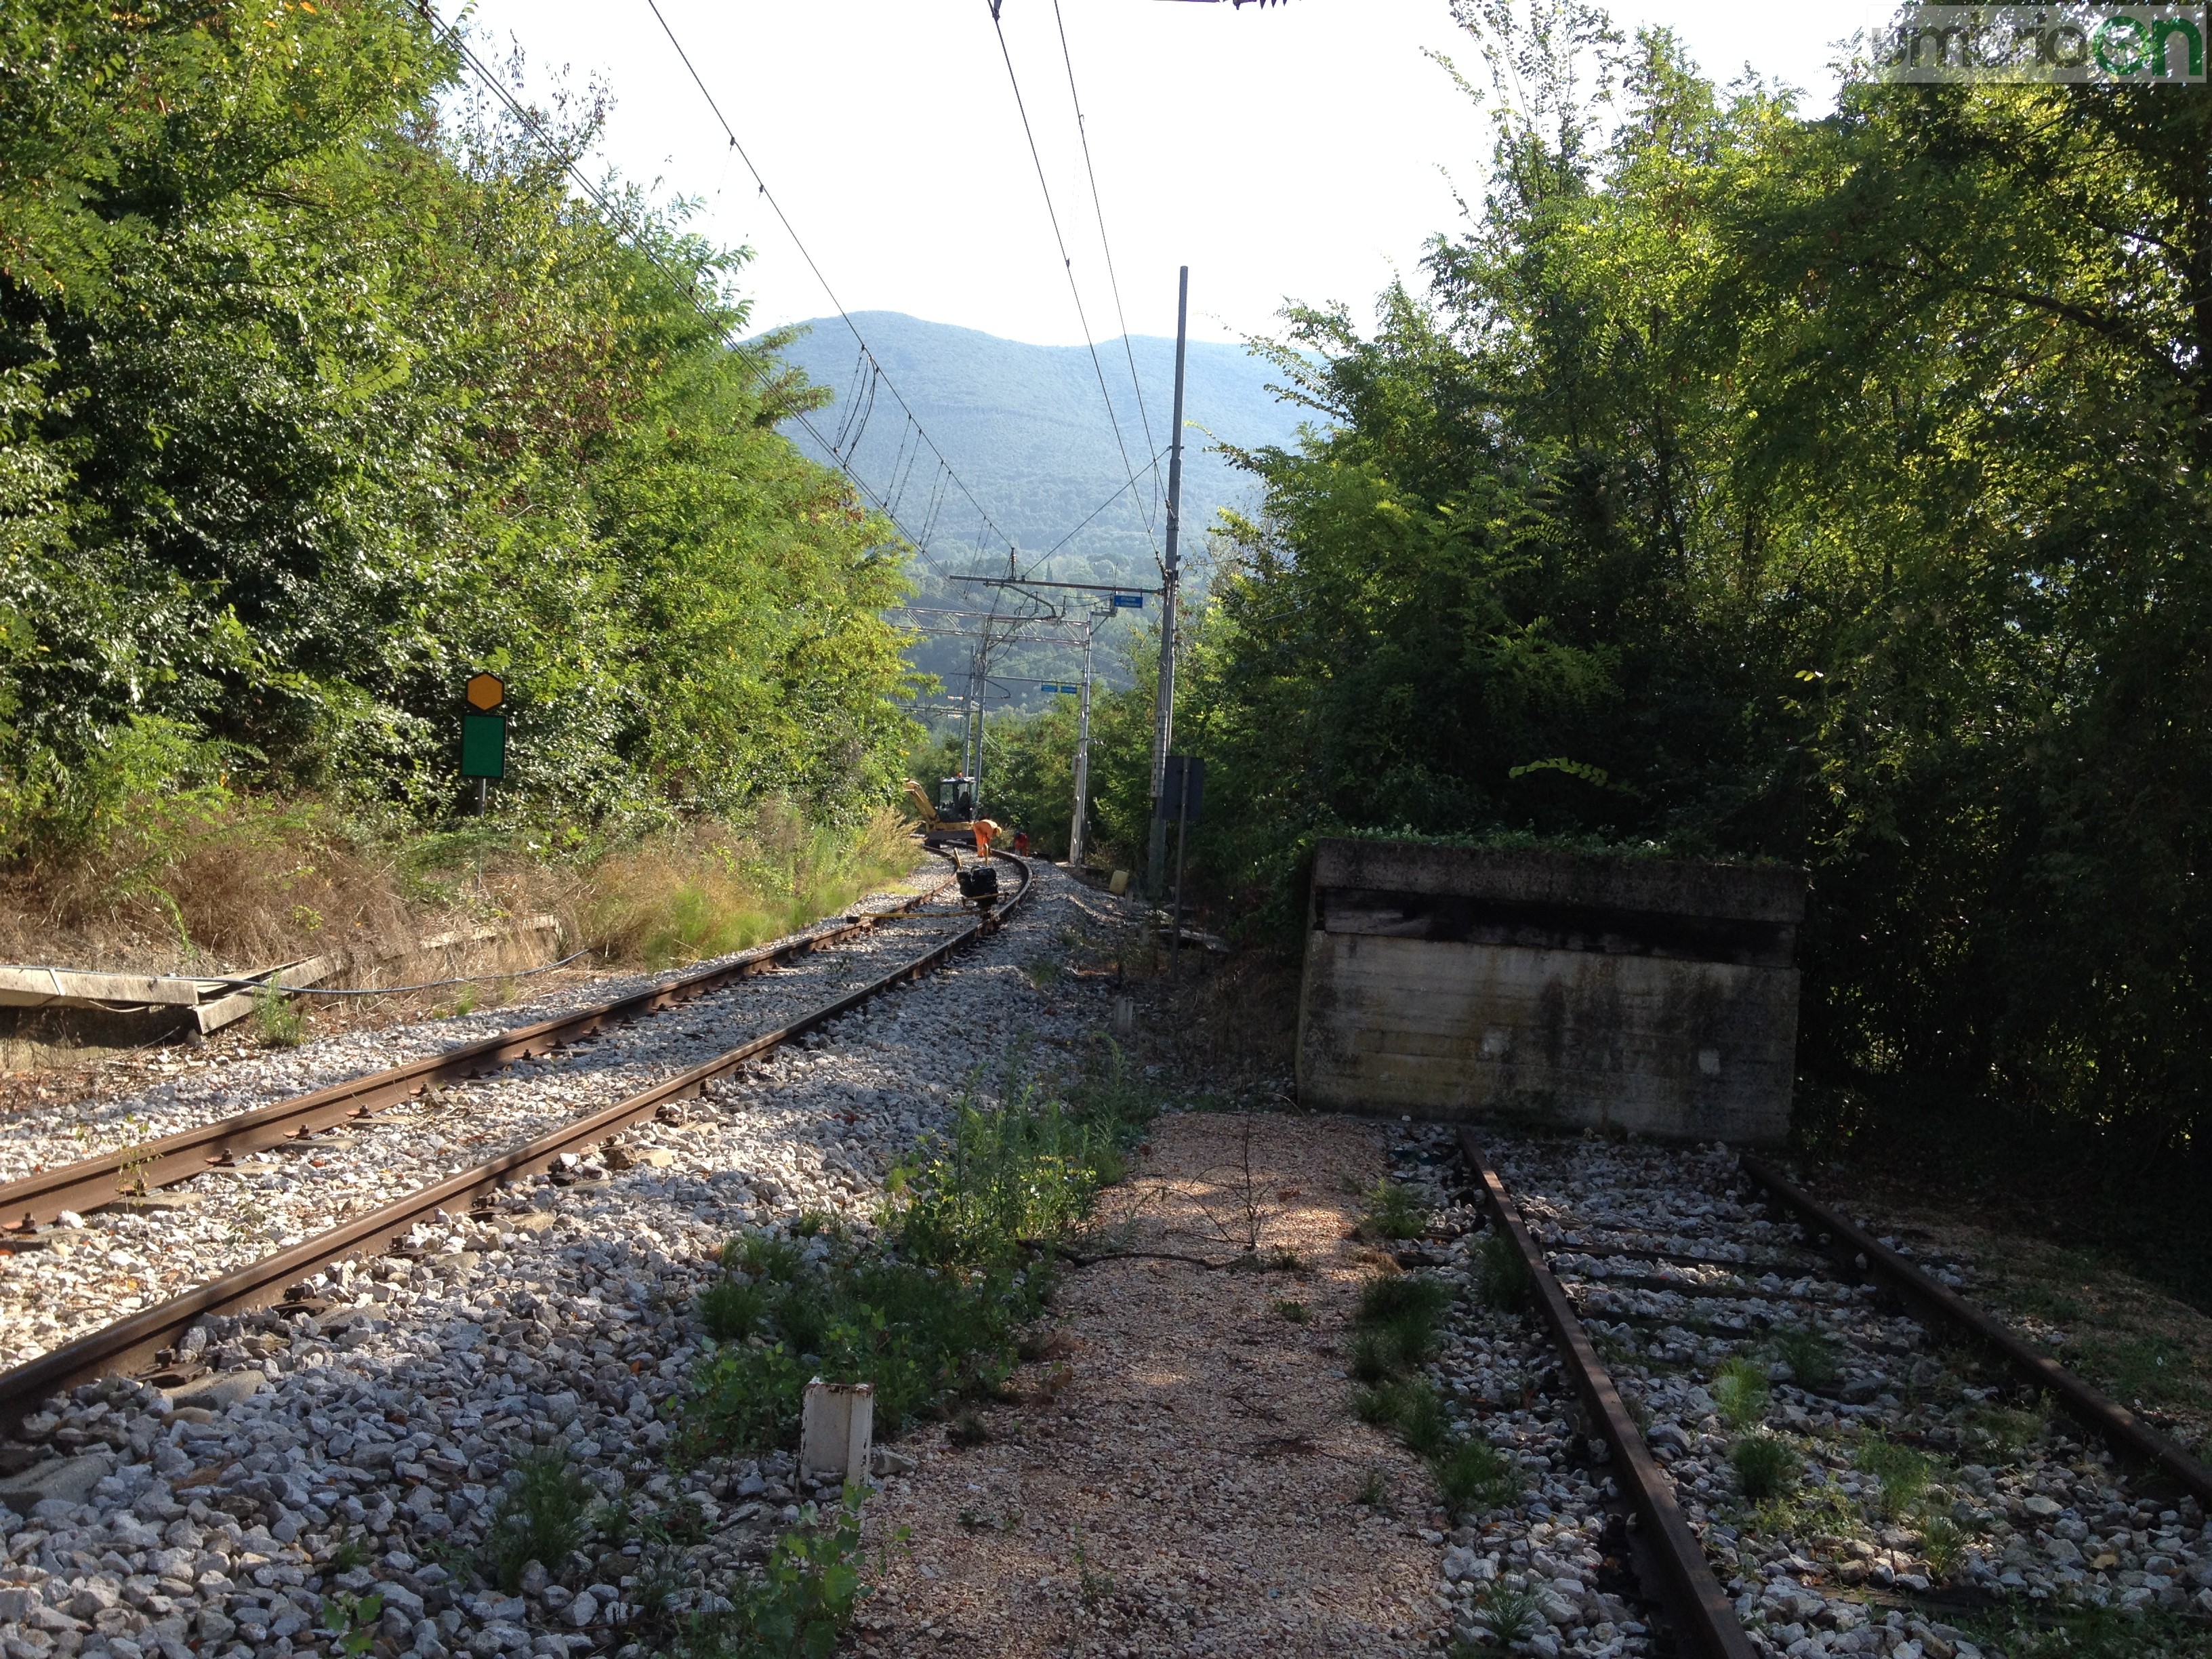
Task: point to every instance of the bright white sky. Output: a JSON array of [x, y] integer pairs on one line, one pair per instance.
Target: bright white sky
[[1298, 150]]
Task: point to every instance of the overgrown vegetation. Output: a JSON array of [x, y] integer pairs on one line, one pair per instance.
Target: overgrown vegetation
[[2090, 1632], [1399, 1315], [933, 1316], [1900, 1473], [796, 1606], [318, 389], [1737, 483], [1741, 1394], [1508, 1283], [1765, 1465], [540, 1516], [1398, 1322], [1393, 1212], [704, 889], [1811, 1357]]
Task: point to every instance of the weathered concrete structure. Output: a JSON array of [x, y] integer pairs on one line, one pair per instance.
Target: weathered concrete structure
[[1655, 994]]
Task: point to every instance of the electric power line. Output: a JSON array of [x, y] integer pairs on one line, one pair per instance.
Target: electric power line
[[1113, 280], [687, 284], [1068, 262], [867, 353]]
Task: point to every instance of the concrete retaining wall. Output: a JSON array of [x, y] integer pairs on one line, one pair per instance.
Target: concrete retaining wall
[[1656, 995]]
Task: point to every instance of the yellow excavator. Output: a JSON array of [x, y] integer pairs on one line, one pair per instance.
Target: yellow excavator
[[949, 818]]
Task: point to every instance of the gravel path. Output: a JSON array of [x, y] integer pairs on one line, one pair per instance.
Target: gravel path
[[122, 1261], [388, 1407], [1181, 1477], [1987, 1498]]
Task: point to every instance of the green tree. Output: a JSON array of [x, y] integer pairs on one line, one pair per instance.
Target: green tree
[[1828, 491], [320, 386]]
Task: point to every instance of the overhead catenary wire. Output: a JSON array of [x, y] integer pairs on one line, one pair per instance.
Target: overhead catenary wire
[[1106, 244], [866, 351], [1067, 261], [687, 284]]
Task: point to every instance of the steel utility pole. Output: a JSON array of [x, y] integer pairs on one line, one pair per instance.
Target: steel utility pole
[[1164, 713], [1075, 835]]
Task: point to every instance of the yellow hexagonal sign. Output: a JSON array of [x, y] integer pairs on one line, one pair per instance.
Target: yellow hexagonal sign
[[486, 692]]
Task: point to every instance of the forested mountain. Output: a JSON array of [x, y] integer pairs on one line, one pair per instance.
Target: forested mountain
[[1026, 428]]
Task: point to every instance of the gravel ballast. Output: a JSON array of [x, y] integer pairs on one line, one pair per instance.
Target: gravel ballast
[[121, 1260]]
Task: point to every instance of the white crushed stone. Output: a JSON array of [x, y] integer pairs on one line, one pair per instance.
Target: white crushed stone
[[389, 1405], [119, 1262]]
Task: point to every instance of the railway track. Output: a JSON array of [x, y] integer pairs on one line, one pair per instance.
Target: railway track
[[62, 1284], [1919, 1461], [85, 1184], [151, 1338]]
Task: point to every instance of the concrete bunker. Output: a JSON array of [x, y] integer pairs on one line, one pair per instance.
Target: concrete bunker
[[1577, 990]]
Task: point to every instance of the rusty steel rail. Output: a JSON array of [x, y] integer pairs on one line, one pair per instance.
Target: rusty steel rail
[[134, 1342], [91, 1182], [1707, 1620], [2124, 1432]]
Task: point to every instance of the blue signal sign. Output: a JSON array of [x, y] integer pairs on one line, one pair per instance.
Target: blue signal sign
[[1052, 690], [1128, 602]]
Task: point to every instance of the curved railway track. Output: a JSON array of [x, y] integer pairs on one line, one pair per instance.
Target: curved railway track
[[145, 1339], [33, 1200], [1673, 1286]]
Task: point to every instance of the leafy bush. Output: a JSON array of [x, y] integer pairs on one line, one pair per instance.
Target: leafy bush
[[939, 1321], [801, 1605], [287, 458], [1765, 1465], [920, 1336], [1007, 1178]]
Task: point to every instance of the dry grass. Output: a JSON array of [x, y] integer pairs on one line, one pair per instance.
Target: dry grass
[[250, 884], [711, 889], [241, 886]]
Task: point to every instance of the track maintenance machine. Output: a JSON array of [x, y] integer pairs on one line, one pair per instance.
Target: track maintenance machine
[[950, 820]]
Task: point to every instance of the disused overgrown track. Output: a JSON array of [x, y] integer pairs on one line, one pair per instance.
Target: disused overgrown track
[[2127, 1434], [1707, 1623], [1673, 1555]]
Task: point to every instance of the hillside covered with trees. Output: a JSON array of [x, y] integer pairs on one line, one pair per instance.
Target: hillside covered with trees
[[1026, 427]]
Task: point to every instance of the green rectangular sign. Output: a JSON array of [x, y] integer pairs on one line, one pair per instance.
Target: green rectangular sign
[[483, 746]]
